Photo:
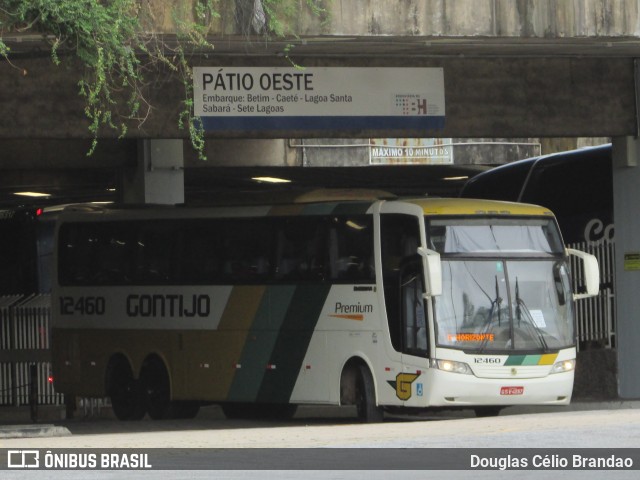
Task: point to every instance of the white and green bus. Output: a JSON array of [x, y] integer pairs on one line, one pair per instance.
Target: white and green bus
[[384, 304]]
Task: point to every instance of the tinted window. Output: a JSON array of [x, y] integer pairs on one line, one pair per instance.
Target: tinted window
[[96, 254], [217, 251], [300, 252], [400, 237], [351, 249]]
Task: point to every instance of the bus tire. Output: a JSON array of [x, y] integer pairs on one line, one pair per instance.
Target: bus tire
[[368, 410], [157, 389], [487, 411], [184, 409], [126, 394]]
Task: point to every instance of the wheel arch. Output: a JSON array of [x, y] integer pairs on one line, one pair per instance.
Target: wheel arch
[[348, 377]]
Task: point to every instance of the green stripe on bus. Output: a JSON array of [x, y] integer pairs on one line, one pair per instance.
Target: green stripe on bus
[[227, 343], [259, 345], [293, 342], [514, 360], [532, 360]]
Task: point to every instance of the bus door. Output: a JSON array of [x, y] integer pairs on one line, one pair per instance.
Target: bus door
[[415, 333], [403, 283]]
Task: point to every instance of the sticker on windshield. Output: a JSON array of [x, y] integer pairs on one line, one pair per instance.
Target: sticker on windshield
[[538, 318]]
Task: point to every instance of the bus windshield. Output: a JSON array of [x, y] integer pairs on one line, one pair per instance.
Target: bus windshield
[[505, 285]]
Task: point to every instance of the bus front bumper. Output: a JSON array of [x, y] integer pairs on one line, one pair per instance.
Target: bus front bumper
[[458, 390]]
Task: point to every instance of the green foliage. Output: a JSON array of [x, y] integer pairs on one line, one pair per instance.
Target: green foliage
[[109, 38], [103, 35]]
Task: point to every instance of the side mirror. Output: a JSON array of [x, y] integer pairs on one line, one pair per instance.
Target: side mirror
[[432, 271], [591, 273]]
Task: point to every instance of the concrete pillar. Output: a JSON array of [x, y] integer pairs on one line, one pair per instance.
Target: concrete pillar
[[626, 199], [158, 176]]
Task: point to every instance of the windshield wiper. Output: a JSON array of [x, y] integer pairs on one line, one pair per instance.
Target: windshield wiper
[[495, 308], [522, 307]]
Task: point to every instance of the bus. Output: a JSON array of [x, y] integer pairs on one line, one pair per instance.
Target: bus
[[26, 249], [382, 304], [577, 186]]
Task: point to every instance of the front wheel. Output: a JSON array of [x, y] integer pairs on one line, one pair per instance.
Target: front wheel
[[368, 411], [487, 411]]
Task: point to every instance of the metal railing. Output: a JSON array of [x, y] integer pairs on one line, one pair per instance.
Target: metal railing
[[596, 316], [25, 354]]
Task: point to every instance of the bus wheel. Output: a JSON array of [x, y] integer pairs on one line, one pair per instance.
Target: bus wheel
[[368, 411], [155, 381], [487, 411], [127, 398], [184, 409]]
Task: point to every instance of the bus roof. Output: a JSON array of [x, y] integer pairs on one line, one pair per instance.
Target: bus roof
[[430, 206], [467, 206]]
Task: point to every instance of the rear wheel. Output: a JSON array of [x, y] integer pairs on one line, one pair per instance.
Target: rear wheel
[[184, 409], [368, 411], [157, 390], [127, 396]]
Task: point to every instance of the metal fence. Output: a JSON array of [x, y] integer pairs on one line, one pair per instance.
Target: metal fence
[[596, 316], [25, 354]]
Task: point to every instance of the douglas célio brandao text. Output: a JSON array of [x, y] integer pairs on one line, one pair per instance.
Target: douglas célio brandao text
[[550, 461]]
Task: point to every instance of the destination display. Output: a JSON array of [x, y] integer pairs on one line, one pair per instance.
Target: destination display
[[287, 98]]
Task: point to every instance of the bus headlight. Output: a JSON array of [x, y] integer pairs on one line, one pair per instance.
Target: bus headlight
[[563, 366], [451, 366]]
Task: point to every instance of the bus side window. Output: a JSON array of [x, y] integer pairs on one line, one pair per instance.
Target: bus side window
[[200, 260], [72, 246], [351, 249], [92, 254], [400, 236], [155, 253], [413, 315], [247, 246], [300, 249], [112, 260]]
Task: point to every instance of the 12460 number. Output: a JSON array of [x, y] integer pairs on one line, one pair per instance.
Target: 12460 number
[[82, 306]]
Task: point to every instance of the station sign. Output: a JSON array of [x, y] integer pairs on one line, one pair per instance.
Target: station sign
[[411, 151], [318, 98]]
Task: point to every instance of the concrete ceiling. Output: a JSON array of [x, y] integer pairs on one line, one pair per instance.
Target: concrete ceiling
[[100, 181]]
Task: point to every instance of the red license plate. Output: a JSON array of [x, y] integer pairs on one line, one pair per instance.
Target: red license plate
[[511, 390]]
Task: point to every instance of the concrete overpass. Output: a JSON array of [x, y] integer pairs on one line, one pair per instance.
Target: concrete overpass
[[511, 69]]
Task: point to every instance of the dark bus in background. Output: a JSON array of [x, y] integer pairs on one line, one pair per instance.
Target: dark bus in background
[[26, 248], [575, 185]]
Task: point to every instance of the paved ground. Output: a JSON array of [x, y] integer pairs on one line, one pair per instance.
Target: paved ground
[[318, 427], [610, 425]]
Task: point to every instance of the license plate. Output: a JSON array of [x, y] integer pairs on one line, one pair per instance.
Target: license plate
[[511, 390]]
